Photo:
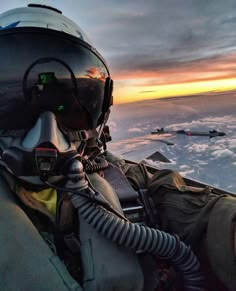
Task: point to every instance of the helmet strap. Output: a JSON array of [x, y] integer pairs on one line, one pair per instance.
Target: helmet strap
[[81, 135]]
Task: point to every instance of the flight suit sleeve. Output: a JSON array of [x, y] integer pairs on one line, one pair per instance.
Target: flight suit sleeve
[[221, 240], [202, 218]]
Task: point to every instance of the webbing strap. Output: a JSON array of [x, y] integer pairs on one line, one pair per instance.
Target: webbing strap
[[120, 184], [81, 135]]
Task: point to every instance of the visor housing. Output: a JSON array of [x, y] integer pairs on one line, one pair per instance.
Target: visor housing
[[45, 70]]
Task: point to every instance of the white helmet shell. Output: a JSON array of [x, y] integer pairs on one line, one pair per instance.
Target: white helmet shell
[[43, 17]]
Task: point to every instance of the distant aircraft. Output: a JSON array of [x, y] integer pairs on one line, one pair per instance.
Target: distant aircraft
[[211, 133], [138, 148]]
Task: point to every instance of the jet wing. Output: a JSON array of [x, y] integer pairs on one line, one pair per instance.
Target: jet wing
[[143, 147]]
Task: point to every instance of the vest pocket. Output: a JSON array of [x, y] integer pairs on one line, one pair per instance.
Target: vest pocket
[[87, 261]]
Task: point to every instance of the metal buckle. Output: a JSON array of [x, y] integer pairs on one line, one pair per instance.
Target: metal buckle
[[83, 135]]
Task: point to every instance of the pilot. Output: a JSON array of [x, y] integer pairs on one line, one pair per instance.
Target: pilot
[[72, 215]]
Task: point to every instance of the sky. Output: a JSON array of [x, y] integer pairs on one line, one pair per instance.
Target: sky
[[158, 48]]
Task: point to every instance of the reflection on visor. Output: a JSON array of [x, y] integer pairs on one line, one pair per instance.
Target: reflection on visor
[[57, 74], [46, 78]]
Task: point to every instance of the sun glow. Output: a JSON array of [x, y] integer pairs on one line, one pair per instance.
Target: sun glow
[[126, 92], [181, 79]]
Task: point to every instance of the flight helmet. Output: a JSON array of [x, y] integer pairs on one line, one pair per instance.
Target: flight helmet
[[55, 88]]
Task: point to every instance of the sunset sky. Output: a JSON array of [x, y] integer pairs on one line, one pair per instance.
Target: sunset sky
[[158, 48]]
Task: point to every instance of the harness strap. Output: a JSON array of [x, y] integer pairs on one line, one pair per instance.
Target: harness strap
[[120, 184], [66, 227], [81, 135], [67, 235]]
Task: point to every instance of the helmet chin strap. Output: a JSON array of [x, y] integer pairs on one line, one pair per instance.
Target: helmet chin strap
[[81, 135], [106, 116]]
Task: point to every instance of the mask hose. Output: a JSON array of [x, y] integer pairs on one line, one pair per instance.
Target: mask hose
[[135, 236], [139, 237]]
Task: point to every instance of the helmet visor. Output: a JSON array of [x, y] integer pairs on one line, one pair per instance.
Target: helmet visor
[[49, 72]]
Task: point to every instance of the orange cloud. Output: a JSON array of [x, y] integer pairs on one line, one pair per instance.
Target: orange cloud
[[207, 69], [215, 74], [95, 73]]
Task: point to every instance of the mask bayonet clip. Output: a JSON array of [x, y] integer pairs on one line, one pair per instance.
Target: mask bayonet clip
[[45, 161]]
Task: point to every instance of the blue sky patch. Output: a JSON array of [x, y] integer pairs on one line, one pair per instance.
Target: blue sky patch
[[12, 25]]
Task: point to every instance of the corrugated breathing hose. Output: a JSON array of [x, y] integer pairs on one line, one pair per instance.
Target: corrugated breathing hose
[[142, 238]]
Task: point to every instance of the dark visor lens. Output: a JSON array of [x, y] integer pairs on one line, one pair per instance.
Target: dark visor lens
[[40, 72]]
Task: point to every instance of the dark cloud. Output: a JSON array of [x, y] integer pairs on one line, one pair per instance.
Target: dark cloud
[[153, 34], [137, 35]]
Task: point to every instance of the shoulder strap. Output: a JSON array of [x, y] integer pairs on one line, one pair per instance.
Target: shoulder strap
[[9, 178], [137, 206], [120, 184], [67, 235]]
